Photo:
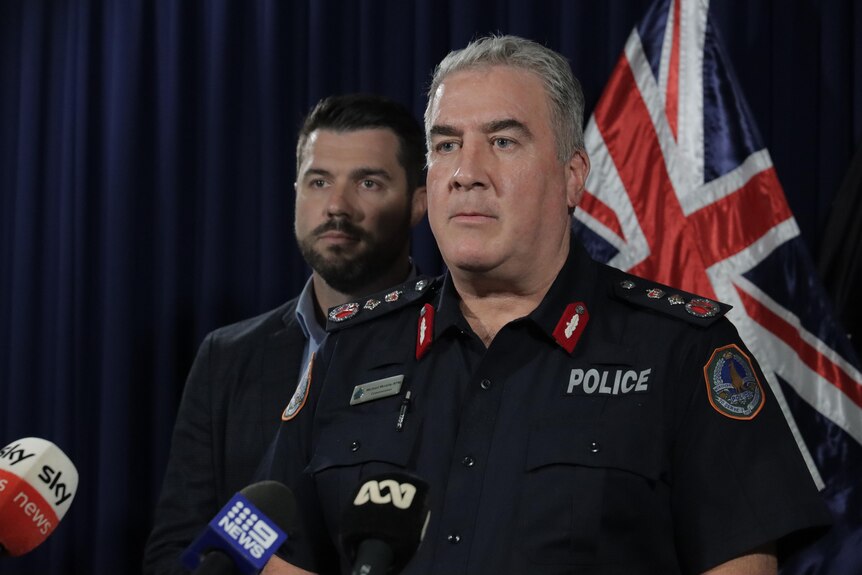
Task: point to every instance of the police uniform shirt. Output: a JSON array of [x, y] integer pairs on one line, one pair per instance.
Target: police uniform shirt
[[610, 431]]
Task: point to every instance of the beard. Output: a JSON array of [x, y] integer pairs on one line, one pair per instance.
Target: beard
[[351, 271]]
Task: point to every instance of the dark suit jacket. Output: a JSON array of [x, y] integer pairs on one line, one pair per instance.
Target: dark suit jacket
[[241, 380]]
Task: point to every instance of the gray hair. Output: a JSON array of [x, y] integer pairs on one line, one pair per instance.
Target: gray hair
[[564, 92]]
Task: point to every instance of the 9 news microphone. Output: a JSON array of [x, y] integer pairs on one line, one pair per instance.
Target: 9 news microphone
[[385, 523], [37, 485], [245, 533]]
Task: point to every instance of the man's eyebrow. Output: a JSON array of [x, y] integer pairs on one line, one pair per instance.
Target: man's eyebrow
[[316, 172], [445, 130], [507, 124], [355, 174], [368, 172]]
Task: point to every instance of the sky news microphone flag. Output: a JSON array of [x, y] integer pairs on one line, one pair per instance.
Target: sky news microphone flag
[[683, 192], [37, 485]]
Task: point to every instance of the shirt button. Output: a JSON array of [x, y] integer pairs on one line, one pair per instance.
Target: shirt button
[[485, 384], [468, 461], [355, 445], [453, 538], [595, 447]]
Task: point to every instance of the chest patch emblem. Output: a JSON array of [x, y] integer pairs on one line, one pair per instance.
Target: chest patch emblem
[[300, 395], [732, 384], [377, 389], [571, 325]]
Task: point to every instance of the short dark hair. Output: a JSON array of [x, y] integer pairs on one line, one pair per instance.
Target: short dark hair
[[351, 112]]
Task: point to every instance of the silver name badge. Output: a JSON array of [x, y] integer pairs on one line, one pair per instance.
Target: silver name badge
[[377, 389]]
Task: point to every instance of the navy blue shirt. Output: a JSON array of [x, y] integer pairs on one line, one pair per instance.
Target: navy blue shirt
[[637, 437]]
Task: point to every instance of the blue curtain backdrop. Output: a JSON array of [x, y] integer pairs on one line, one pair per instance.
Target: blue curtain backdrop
[[146, 169]]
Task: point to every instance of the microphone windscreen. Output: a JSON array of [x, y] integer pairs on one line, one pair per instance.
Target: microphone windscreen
[[393, 508], [245, 532], [37, 485], [276, 501]]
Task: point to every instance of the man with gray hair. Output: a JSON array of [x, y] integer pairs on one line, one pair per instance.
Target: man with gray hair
[[567, 417]]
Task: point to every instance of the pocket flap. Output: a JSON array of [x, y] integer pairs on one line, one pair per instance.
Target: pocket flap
[[595, 444], [362, 439]]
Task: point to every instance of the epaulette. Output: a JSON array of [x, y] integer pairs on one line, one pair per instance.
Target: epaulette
[[671, 301], [378, 304]]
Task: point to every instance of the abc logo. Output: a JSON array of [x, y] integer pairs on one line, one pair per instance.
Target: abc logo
[[387, 491]]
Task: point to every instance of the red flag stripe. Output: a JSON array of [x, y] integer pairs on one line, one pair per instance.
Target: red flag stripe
[[627, 129], [734, 222], [603, 214], [809, 355], [672, 92]]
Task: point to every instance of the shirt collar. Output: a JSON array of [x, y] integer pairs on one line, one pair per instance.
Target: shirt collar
[[576, 282], [306, 315], [306, 309]]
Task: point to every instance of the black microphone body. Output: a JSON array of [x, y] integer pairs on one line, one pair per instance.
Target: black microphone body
[[217, 563], [372, 557], [385, 523]]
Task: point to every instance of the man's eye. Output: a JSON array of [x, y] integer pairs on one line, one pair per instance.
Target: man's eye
[[446, 147], [318, 183], [369, 185], [503, 143]]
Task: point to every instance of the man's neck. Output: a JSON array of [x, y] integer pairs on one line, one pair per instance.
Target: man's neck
[[490, 300]]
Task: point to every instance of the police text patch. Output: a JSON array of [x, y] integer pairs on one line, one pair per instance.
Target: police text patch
[[608, 381], [732, 384]]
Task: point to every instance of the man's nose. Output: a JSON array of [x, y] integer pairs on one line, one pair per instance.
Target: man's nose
[[471, 169], [340, 202]]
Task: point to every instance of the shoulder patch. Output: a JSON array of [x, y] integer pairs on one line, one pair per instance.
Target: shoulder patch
[[669, 301], [297, 402], [381, 303], [732, 385]]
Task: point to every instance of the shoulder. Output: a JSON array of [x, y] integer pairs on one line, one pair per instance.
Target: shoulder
[[384, 303], [653, 297], [254, 328]]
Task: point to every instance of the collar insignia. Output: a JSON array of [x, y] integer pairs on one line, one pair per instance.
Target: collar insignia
[[343, 312]]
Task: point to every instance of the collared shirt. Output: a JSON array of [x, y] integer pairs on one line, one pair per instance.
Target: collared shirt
[[306, 317], [612, 455]]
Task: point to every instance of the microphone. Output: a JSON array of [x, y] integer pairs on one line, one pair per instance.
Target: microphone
[[245, 533], [384, 525], [37, 485]]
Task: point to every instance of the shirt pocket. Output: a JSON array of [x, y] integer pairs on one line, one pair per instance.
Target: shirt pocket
[[576, 477], [354, 448]]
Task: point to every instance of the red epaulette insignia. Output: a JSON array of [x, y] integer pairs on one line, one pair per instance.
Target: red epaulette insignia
[[424, 330], [571, 325]]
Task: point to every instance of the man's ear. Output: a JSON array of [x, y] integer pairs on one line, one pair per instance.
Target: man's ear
[[419, 205], [577, 170]]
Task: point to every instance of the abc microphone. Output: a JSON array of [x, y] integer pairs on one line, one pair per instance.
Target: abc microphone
[[37, 485], [245, 533], [385, 523]]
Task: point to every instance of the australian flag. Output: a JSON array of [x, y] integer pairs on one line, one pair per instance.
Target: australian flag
[[682, 191]]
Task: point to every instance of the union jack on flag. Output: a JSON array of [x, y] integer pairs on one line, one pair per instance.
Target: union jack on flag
[[682, 191]]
